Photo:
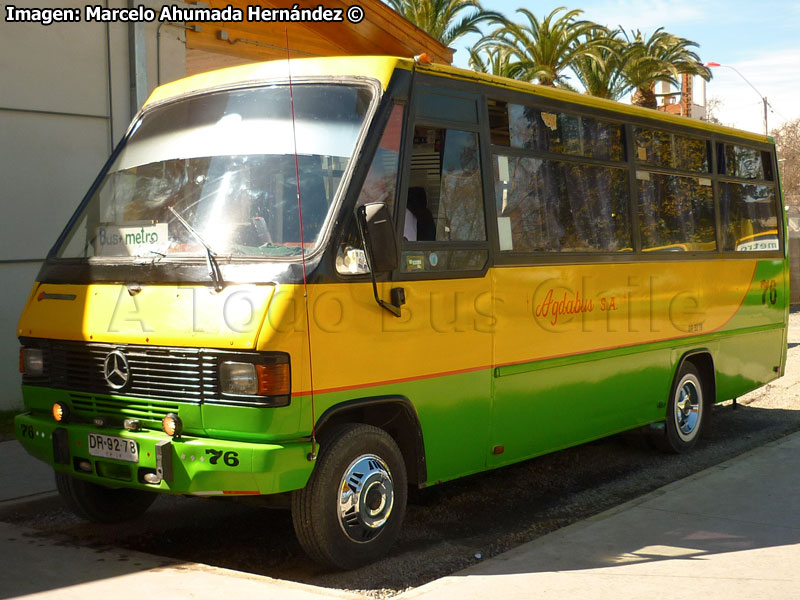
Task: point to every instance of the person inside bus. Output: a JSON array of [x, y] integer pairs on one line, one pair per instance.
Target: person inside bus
[[419, 223]]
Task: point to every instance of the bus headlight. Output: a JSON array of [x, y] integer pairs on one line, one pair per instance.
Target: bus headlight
[[31, 361], [238, 378], [249, 379]]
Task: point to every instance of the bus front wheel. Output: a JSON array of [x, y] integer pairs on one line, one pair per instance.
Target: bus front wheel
[[101, 504], [350, 512], [686, 411]]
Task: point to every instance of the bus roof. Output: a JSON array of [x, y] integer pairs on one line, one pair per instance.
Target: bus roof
[[586, 100], [382, 67], [376, 67]]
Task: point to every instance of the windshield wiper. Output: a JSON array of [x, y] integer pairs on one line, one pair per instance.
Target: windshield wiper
[[211, 261], [160, 255]]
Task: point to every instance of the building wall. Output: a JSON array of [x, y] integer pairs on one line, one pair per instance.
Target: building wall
[[64, 103]]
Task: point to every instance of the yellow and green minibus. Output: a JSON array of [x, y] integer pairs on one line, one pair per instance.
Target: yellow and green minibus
[[328, 280]]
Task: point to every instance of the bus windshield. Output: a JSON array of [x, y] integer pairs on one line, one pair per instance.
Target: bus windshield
[[225, 163]]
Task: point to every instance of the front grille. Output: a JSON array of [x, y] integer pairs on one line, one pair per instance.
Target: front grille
[[91, 406], [159, 373], [163, 375]]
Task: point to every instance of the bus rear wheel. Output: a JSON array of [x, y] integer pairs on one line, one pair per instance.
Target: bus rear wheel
[[101, 504], [350, 512], [686, 412]]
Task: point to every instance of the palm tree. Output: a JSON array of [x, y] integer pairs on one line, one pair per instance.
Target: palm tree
[[604, 78], [493, 60], [661, 57], [444, 19], [544, 48]]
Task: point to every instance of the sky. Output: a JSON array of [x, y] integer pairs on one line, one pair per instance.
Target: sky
[[759, 39]]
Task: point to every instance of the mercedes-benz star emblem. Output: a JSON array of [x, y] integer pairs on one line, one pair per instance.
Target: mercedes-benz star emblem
[[116, 369]]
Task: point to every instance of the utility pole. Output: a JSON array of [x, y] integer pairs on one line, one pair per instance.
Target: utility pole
[[763, 98]]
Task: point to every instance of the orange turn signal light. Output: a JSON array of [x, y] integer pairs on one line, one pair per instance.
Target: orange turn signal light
[[172, 425], [60, 412], [273, 380]]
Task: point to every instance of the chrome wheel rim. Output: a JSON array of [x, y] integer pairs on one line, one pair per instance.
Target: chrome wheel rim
[[688, 407], [366, 498]]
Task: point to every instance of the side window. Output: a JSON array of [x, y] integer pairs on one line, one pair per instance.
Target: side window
[[556, 206], [381, 182], [743, 162], [380, 185], [445, 201], [749, 218], [530, 128], [747, 209], [664, 149], [676, 213]]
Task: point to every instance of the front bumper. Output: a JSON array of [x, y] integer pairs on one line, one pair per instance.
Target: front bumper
[[189, 465]]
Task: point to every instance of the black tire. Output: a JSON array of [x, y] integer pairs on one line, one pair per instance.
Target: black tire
[[101, 504], [375, 498], [686, 412]]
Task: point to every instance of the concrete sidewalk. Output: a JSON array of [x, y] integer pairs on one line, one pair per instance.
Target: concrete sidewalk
[[732, 531], [54, 568]]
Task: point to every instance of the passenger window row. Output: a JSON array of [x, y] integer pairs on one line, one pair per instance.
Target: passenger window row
[[549, 205], [563, 183]]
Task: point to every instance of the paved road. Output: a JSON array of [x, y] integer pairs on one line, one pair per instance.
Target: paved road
[[22, 475]]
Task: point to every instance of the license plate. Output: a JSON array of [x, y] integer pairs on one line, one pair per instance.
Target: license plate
[[109, 446]]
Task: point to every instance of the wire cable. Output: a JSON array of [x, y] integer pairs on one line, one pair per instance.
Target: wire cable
[[313, 455]]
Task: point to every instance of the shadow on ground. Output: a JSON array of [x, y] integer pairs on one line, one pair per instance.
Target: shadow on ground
[[446, 525]]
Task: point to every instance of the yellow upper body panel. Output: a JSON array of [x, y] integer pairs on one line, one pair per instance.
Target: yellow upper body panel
[[509, 317], [159, 315]]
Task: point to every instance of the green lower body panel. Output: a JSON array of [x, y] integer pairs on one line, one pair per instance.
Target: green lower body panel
[[191, 465], [748, 361], [546, 406]]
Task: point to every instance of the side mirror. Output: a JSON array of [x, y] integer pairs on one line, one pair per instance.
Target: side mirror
[[380, 238], [383, 253]]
